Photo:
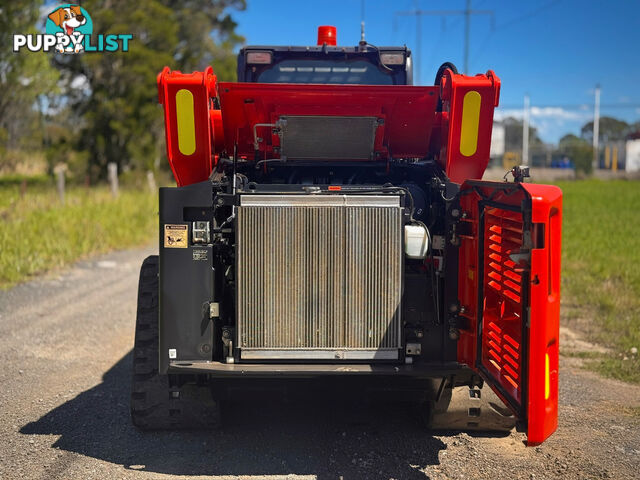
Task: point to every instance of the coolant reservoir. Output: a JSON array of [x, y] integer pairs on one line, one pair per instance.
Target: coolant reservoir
[[416, 241]]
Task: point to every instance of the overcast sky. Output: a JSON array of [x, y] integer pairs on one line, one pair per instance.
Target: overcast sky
[[556, 51]]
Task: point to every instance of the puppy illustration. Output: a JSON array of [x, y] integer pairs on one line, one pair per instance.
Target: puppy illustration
[[68, 19]]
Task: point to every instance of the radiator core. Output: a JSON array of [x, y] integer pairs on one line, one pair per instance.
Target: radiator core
[[319, 277]]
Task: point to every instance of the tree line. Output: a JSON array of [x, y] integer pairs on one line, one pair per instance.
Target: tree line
[[85, 111], [92, 109], [578, 148]]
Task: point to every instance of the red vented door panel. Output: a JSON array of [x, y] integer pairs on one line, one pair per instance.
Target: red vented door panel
[[502, 309], [509, 288]]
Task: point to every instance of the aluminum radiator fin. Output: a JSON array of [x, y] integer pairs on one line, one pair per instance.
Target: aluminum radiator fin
[[319, 277]]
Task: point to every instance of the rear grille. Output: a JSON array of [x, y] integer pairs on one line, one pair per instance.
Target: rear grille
[[319, 277]]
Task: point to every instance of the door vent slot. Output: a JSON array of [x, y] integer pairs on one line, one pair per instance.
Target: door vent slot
[[502, 311]]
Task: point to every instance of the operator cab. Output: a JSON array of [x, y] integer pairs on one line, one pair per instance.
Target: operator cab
[[326, 63]]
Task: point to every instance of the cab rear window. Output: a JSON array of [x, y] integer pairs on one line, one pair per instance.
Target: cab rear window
[[357, 72]]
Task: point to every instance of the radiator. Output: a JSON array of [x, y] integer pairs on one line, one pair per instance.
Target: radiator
[[319, 277]]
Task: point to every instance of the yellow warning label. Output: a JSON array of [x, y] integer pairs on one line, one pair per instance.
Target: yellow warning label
[[175, 236]]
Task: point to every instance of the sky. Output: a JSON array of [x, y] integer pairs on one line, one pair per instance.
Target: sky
[[556, 51]]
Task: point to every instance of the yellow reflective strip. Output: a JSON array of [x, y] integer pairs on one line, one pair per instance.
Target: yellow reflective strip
[[185, 120], [470, 123], [547, 380]]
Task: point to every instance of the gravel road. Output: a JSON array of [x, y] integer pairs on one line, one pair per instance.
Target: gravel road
[[65, 348]]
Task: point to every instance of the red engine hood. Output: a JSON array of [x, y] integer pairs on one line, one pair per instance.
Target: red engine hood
[[405, 115]]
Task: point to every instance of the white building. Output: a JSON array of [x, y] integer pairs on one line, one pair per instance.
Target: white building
[[632, 161]]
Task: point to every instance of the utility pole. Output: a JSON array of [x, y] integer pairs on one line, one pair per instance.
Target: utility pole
[[418, 46], [468, 12], [467, 26], [362, 21], [525, 132], [596, 128]]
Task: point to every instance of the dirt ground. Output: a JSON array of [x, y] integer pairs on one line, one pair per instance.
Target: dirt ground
[[65, 348]]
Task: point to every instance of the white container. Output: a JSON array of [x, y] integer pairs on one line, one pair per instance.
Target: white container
[[416, 241]]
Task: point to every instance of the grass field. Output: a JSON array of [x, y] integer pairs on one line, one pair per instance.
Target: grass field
[[601, 270], [37, 233]]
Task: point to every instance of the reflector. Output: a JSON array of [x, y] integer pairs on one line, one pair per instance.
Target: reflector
[[259, 58], [392, 58]]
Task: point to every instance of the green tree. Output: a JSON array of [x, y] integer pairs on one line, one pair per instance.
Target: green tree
[[25, 77], [206, 33], [513, 136], [579, 150], [610, 129], [116, 93]]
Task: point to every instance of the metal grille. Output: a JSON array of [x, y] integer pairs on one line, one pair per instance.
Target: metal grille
[[319, 276], [502, 320], [326, 137]]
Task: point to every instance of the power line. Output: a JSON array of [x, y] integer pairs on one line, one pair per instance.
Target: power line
[[508, 23], [576, 106], [467, 13], [528, 15]]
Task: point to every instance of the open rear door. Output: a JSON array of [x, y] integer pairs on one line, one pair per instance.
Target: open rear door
[[509, 292]]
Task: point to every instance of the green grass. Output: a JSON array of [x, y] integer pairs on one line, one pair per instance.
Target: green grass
[[601, 269], [38, 234]]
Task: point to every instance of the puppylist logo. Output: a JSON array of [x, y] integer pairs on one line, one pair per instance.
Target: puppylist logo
[[69, 30]]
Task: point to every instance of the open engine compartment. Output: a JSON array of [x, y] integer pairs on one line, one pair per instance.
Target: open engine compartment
[[308, 265]]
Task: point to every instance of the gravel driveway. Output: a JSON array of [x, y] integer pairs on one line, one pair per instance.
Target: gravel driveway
[[65, 348]]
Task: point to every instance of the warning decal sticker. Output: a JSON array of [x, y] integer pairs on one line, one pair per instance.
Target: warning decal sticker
[[175, 236], [200, 255]]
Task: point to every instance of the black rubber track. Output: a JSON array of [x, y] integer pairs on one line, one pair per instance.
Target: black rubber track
[[155, 405]]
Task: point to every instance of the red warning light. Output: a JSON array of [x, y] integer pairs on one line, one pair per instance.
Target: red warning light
[[327, 34]]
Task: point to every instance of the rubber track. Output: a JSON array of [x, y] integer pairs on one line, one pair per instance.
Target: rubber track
[[155, 405]]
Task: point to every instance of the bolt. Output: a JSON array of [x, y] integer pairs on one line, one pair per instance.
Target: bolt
[[454, 334]]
